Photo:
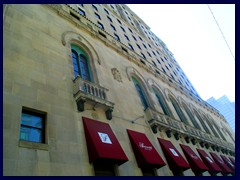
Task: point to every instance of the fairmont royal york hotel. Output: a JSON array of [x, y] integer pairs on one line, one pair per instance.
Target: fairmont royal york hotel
[[89, 90]]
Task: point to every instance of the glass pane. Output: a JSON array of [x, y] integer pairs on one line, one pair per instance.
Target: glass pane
[[30, 134], [31, 120]]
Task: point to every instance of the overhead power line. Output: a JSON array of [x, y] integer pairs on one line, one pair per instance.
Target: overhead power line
[[221, 32]]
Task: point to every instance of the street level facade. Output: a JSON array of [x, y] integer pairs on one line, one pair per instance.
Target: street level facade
[[89, 90]]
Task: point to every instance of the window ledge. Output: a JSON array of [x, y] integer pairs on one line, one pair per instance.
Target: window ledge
[[33, 145]]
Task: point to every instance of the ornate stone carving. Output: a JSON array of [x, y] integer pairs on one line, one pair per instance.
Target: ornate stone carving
[[116, 74]]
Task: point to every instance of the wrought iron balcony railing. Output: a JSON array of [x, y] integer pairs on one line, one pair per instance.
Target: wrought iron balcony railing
[[85, 91]]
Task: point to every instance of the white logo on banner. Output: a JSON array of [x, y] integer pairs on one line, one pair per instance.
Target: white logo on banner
[[104, 138], [193, 156], [209, 159], [174, 152], [148, 148]]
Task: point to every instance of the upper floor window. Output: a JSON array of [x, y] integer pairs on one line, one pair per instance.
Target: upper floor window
[[109, 19], [141, 93], [116, 37], [126, 37], [106, 11], [97, 16], [80, 11], [130, 30], [122, 29], [32, 126], [143, 56], [130, 46], [94, 7], [144, 46], [81, 64], [134, 38], [119, 21], [138, 46], [80, 5], [100, 25], [113, 27], [140, 38], [149, 54]]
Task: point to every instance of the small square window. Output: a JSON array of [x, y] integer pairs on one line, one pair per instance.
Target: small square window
[[80, 11], [97, 16], [112, 6], [149, 45], [158, 61], [122, 29], [126, 37], [149, 54], [143, 56], [154, 53], [130, 46], [134, 38], [144, 46], [116, 37], [130, 30], [106, 11], [139, 47], [119, 21], [163, 70], [113, 27], [100, 25], [140, 38], [80, 5], [94, 7], [32, 126], [109, 19]]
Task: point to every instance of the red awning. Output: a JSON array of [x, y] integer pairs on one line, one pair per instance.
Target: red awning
[[228, 162], [102, 144], [233, 160], [209, 162], [221, 164], [194, 161], [145, 153], [174, 158]]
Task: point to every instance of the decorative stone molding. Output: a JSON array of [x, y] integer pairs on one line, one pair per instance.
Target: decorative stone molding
[[116, 74]]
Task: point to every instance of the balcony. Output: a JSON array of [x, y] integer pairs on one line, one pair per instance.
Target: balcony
[[170, 125], [85, 91]]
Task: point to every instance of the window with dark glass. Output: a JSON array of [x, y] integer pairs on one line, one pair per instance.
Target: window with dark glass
[[80, 64], [80, 5], [149, 54], [109, 19], [116, 37], [100, 25], [104, 169], [139, 46], [141, 94], [158, 61], [119, 21], [122, 29], [162, 59], [166, 67], [143, 56], [149, 45], [178, 110], [163, 70], [134, 38], [202, 122], [130, 30], [106, 11], [140, 38], [130, 46], [80, 11], [126, 37], [154, 53], [112, 26], [112, 6], [32, 126], [94, 7], [97, 16], [144, 46], [154, 63]]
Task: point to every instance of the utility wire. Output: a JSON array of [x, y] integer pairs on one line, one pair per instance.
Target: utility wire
[[221, 32]]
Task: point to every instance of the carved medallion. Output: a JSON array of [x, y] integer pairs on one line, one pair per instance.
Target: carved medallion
[[116, 74]]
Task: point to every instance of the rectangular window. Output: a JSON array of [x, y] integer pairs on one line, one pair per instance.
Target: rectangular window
[[80, 11], [122, 29], [100, 25], [106, 11], [126, 37], [124, 49], [74, 15], [112, 26], [109, 19], [119, 21], [95, 8], [143, 56], [116, 37], [130, 46], [97, 16], [32, 125]]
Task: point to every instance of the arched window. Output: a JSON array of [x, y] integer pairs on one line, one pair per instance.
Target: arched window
[[178, 110], [218, 129], [141, 93], [163, 103], [81, 65], [202, 122], [195, 124], [210, 124]]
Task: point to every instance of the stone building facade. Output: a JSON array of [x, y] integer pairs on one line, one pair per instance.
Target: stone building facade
[[90, 90]]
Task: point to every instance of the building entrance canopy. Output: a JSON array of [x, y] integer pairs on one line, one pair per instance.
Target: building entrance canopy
[[195, 162], [145, 153], [221, 164], [174, 158], [102, 144]]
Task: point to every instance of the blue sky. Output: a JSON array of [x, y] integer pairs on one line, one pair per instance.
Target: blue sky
[[191, 33]]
